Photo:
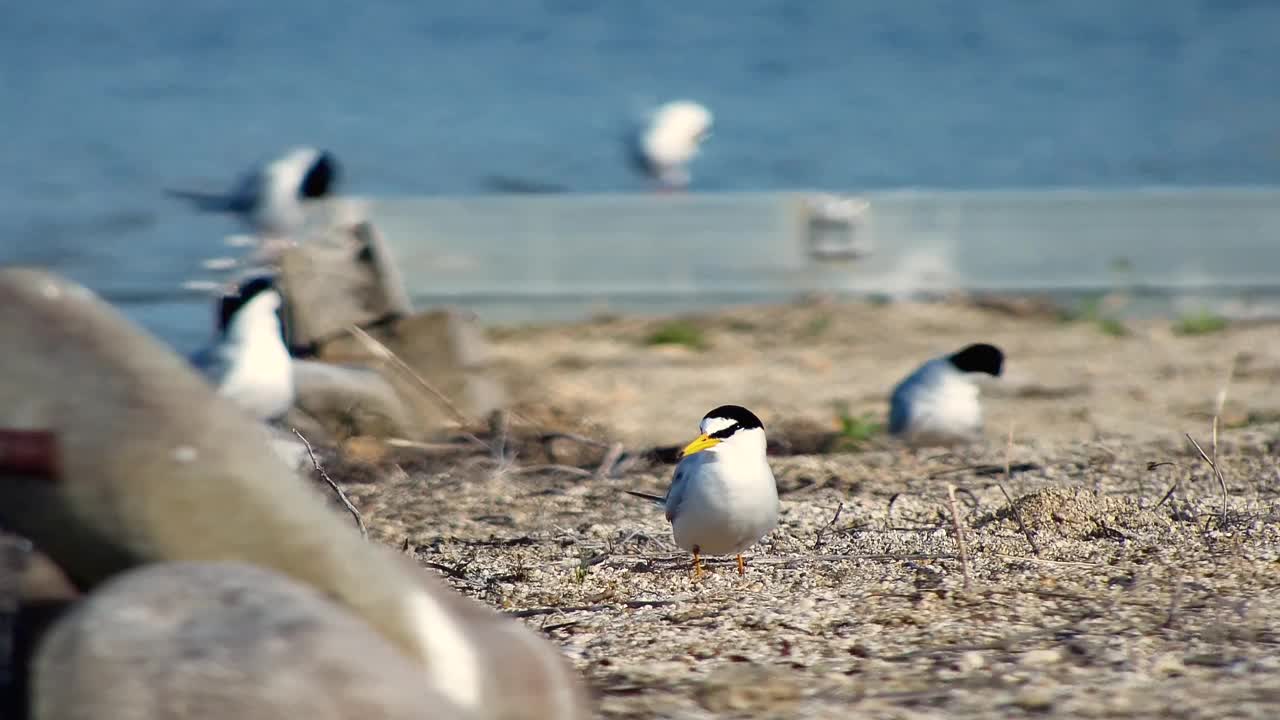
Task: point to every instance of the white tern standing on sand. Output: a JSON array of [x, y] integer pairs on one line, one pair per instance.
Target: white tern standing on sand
[[269, 199], [249, 362], [938, 404], [664, 148], [723, 498]]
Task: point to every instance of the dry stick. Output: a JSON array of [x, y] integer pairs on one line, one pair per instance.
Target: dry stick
[[878, 557], [979, 468], [430, 447], [634, 604], [1220, 401], [547, 437], [888, 513], [499, 424], [372, 345], [382, 351], [567, 469], [364, 532], [449, 570], [1220, 405], [817, 541], [1065, 563], [1017, 516], [955, 520], [1167, 495], [609, 461], [1008, 455], [1013, 509], [1218, 409], [1216, 472]]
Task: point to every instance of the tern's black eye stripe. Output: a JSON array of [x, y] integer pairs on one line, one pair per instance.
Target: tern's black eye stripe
[[726, 432]]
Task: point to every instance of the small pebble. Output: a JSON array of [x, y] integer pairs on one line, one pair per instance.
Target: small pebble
[[1042, 657], [971, 661], [1167, 664], [1035, 697]]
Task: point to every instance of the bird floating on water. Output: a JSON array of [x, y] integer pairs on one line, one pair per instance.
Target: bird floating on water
[[723, 497]]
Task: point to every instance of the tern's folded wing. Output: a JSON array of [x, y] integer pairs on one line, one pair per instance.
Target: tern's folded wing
[[684, 473], [213, 362]]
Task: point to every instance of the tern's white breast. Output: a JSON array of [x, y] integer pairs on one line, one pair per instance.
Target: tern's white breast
[[729, 504], [938, 405]]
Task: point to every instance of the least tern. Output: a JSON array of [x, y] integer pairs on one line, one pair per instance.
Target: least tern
[[249, 362], [671, 139], [938, 404], [269, 199], [723, 498]]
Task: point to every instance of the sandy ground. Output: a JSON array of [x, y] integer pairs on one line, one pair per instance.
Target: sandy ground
[[1063, 381], [1110, 581]]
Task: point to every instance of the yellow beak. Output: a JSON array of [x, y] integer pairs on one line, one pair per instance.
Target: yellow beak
[[700, 443]]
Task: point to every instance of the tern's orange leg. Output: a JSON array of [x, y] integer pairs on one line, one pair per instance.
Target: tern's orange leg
[[697, 564], [742, 566]]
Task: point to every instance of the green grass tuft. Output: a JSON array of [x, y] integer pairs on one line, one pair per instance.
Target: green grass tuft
[[856, 430], [1087, 310], [1113, 327], [740, 325], [1201, 322], [816, 326], [679, 332], [1093, 310]]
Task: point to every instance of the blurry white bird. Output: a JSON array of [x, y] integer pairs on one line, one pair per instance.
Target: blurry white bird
[[938, 404], [723, 498], [664, 148], [249, 362], [269, 199]]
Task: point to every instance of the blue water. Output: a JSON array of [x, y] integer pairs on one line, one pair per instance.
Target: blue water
[[105, 104]]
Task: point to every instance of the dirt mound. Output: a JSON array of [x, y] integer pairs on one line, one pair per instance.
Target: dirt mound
[[1079, 514]]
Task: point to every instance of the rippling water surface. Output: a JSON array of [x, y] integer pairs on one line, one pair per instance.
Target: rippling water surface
[[107, 103]]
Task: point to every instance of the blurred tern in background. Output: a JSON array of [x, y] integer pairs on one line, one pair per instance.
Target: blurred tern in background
[[270, 199], [938, 403], [249, 361], [670, 140]]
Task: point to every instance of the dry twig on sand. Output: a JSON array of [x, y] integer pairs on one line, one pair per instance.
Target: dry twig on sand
[[609, 461], [1013, 509], [566, 469], [439, 447], [382, 351], [959, 526], [1220, 403], [1213, 465], [499, 422], [364, 531], [1017, 517], [822, 531]]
